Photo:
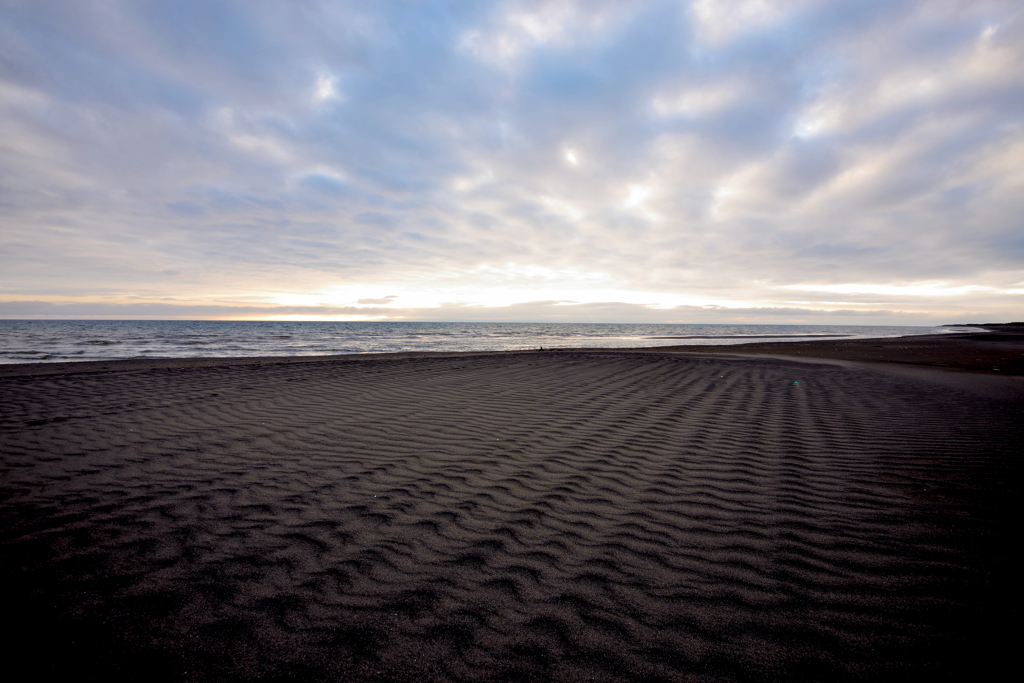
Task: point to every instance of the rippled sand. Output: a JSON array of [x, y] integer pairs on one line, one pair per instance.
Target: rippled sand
[[523, 516]]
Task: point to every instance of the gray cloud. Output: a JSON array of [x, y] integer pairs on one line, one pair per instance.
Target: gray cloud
[[722, 151]]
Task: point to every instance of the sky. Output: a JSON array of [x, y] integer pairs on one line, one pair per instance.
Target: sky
[[730, 161]]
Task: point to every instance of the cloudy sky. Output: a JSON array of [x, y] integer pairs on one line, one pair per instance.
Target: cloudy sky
[[706, 161]]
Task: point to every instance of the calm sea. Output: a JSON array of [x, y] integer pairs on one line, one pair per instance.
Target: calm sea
[[24, 341]]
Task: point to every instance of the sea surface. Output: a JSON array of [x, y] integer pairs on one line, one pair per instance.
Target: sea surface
[[24, 341]]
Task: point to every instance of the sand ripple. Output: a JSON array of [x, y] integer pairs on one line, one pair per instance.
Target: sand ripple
[[528, 517]]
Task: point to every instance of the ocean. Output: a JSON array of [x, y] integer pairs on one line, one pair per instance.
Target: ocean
[[28, 341]]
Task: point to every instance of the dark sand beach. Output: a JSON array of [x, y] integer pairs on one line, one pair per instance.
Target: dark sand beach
[[844, 513]]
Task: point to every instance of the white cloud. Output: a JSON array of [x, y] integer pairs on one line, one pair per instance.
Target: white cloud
[[324, 88], [563, 208], [699, 100], [521, 26], [723, 20], [637, 195]]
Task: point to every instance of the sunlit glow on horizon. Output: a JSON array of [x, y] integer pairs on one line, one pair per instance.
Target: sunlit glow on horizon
[[491, 287], [915, 289]]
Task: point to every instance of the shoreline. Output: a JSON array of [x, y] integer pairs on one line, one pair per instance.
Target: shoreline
[[999, 351]]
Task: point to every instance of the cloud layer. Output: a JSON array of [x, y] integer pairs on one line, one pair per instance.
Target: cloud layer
[[856, 161]]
